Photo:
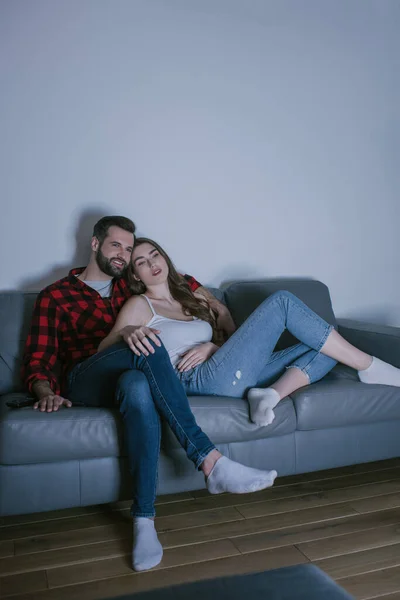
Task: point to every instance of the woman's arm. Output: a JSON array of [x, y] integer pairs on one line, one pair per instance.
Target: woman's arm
[[130, 327]]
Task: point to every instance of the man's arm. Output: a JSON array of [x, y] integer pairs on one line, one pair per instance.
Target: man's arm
[[192, 282], [41, 348], [224, 317]]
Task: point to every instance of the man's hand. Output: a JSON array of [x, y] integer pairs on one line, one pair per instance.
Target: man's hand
[[138, 338], [51, 402], [196, 356], [47, 399]]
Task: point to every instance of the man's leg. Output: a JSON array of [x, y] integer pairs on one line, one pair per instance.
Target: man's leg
[[142, 438], [142, 431], [99, 376], [94, 383]]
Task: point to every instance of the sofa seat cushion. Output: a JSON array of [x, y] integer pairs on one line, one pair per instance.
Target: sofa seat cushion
[[30, 436], [343, 402], [226, 420]]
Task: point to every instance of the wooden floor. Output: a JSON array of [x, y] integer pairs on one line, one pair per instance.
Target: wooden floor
[[346, 521]]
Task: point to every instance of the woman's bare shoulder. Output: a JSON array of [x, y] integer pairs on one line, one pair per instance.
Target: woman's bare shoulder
[[137, 306]]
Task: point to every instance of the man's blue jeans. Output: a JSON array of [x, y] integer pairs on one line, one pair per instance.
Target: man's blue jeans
[[248, 359], [145, 388]]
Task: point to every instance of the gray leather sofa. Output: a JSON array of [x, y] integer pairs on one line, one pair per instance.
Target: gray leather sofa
[[76, 457]]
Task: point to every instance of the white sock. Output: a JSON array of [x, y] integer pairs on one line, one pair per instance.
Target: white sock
[[261, 402], [380, 372], [230, 476], [147, 550]]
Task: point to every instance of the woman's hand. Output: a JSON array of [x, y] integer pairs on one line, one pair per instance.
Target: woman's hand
[[138, 338], [196, 356]]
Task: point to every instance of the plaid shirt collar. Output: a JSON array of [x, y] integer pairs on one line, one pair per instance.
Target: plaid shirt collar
[[118, 285]]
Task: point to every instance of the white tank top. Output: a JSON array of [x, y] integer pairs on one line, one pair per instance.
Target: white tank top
[[179, 336]]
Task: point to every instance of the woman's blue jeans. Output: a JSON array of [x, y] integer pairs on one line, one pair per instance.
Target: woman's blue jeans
[[248, 359], [145, 387]]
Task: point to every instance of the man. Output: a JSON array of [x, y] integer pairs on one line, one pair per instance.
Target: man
[[111, 245], [61, 365]]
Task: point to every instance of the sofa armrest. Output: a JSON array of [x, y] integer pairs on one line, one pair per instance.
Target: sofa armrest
[[382, 341]]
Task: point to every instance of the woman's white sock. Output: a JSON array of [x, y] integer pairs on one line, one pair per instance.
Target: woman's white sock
[[380, 372], [261, 403], [147, 550], [230, 476]]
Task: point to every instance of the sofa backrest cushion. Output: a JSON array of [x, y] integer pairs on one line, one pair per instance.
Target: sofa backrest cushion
[[244, 296], [15, 315]]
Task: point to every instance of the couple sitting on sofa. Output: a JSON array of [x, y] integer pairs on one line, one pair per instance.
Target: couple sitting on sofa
[[95, 338]]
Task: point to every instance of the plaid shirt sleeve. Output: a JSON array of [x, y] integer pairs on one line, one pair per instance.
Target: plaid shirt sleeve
[[193, 283], [41, 348]]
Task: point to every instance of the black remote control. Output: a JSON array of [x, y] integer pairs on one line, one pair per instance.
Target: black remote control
[[21, 402]]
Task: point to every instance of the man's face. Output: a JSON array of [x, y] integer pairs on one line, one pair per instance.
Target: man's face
[[114, 254]]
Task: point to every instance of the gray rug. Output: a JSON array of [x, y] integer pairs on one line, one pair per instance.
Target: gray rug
[[301, 582]]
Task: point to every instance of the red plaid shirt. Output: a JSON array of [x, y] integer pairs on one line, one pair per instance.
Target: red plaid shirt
[[68, 323]]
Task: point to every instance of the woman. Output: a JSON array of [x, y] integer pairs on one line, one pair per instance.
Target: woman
[[245, 365]]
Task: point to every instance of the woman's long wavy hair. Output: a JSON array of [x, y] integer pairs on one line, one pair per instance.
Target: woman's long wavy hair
[[178, 286]]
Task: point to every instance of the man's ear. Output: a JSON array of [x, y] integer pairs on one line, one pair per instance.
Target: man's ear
[[95, 244]]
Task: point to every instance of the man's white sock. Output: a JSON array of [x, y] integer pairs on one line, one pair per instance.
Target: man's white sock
[[230, 476], [147, 550], [380, 372], [261, 403]]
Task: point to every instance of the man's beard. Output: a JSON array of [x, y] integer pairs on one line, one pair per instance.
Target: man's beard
[[105, 265]]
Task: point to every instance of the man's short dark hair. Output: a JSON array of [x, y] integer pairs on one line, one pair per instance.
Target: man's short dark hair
[[101, 228]]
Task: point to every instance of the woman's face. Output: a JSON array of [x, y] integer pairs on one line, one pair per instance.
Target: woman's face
[[149, 265]]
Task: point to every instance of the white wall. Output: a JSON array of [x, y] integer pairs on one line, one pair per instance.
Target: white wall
[[252, 138]]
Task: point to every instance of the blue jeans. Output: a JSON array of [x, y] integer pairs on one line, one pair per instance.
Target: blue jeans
[[247, 359], [145, 387]]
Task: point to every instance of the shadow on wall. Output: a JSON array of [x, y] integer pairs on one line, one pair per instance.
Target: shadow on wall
[[83, 236]]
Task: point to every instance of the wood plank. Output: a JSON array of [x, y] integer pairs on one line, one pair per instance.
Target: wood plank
[[173, 557], [16, 532], [380, 465], [372, 585], [233, 565], [168, 498], [363, 561], [359, 479], [49, 516], [18, 584], [198, 519], [328, 521], [67, 556], [83, 551], [323, 498], [87, 510], [366, 505], [7, 548], [76, 537], [394, 596], [353, 542]]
